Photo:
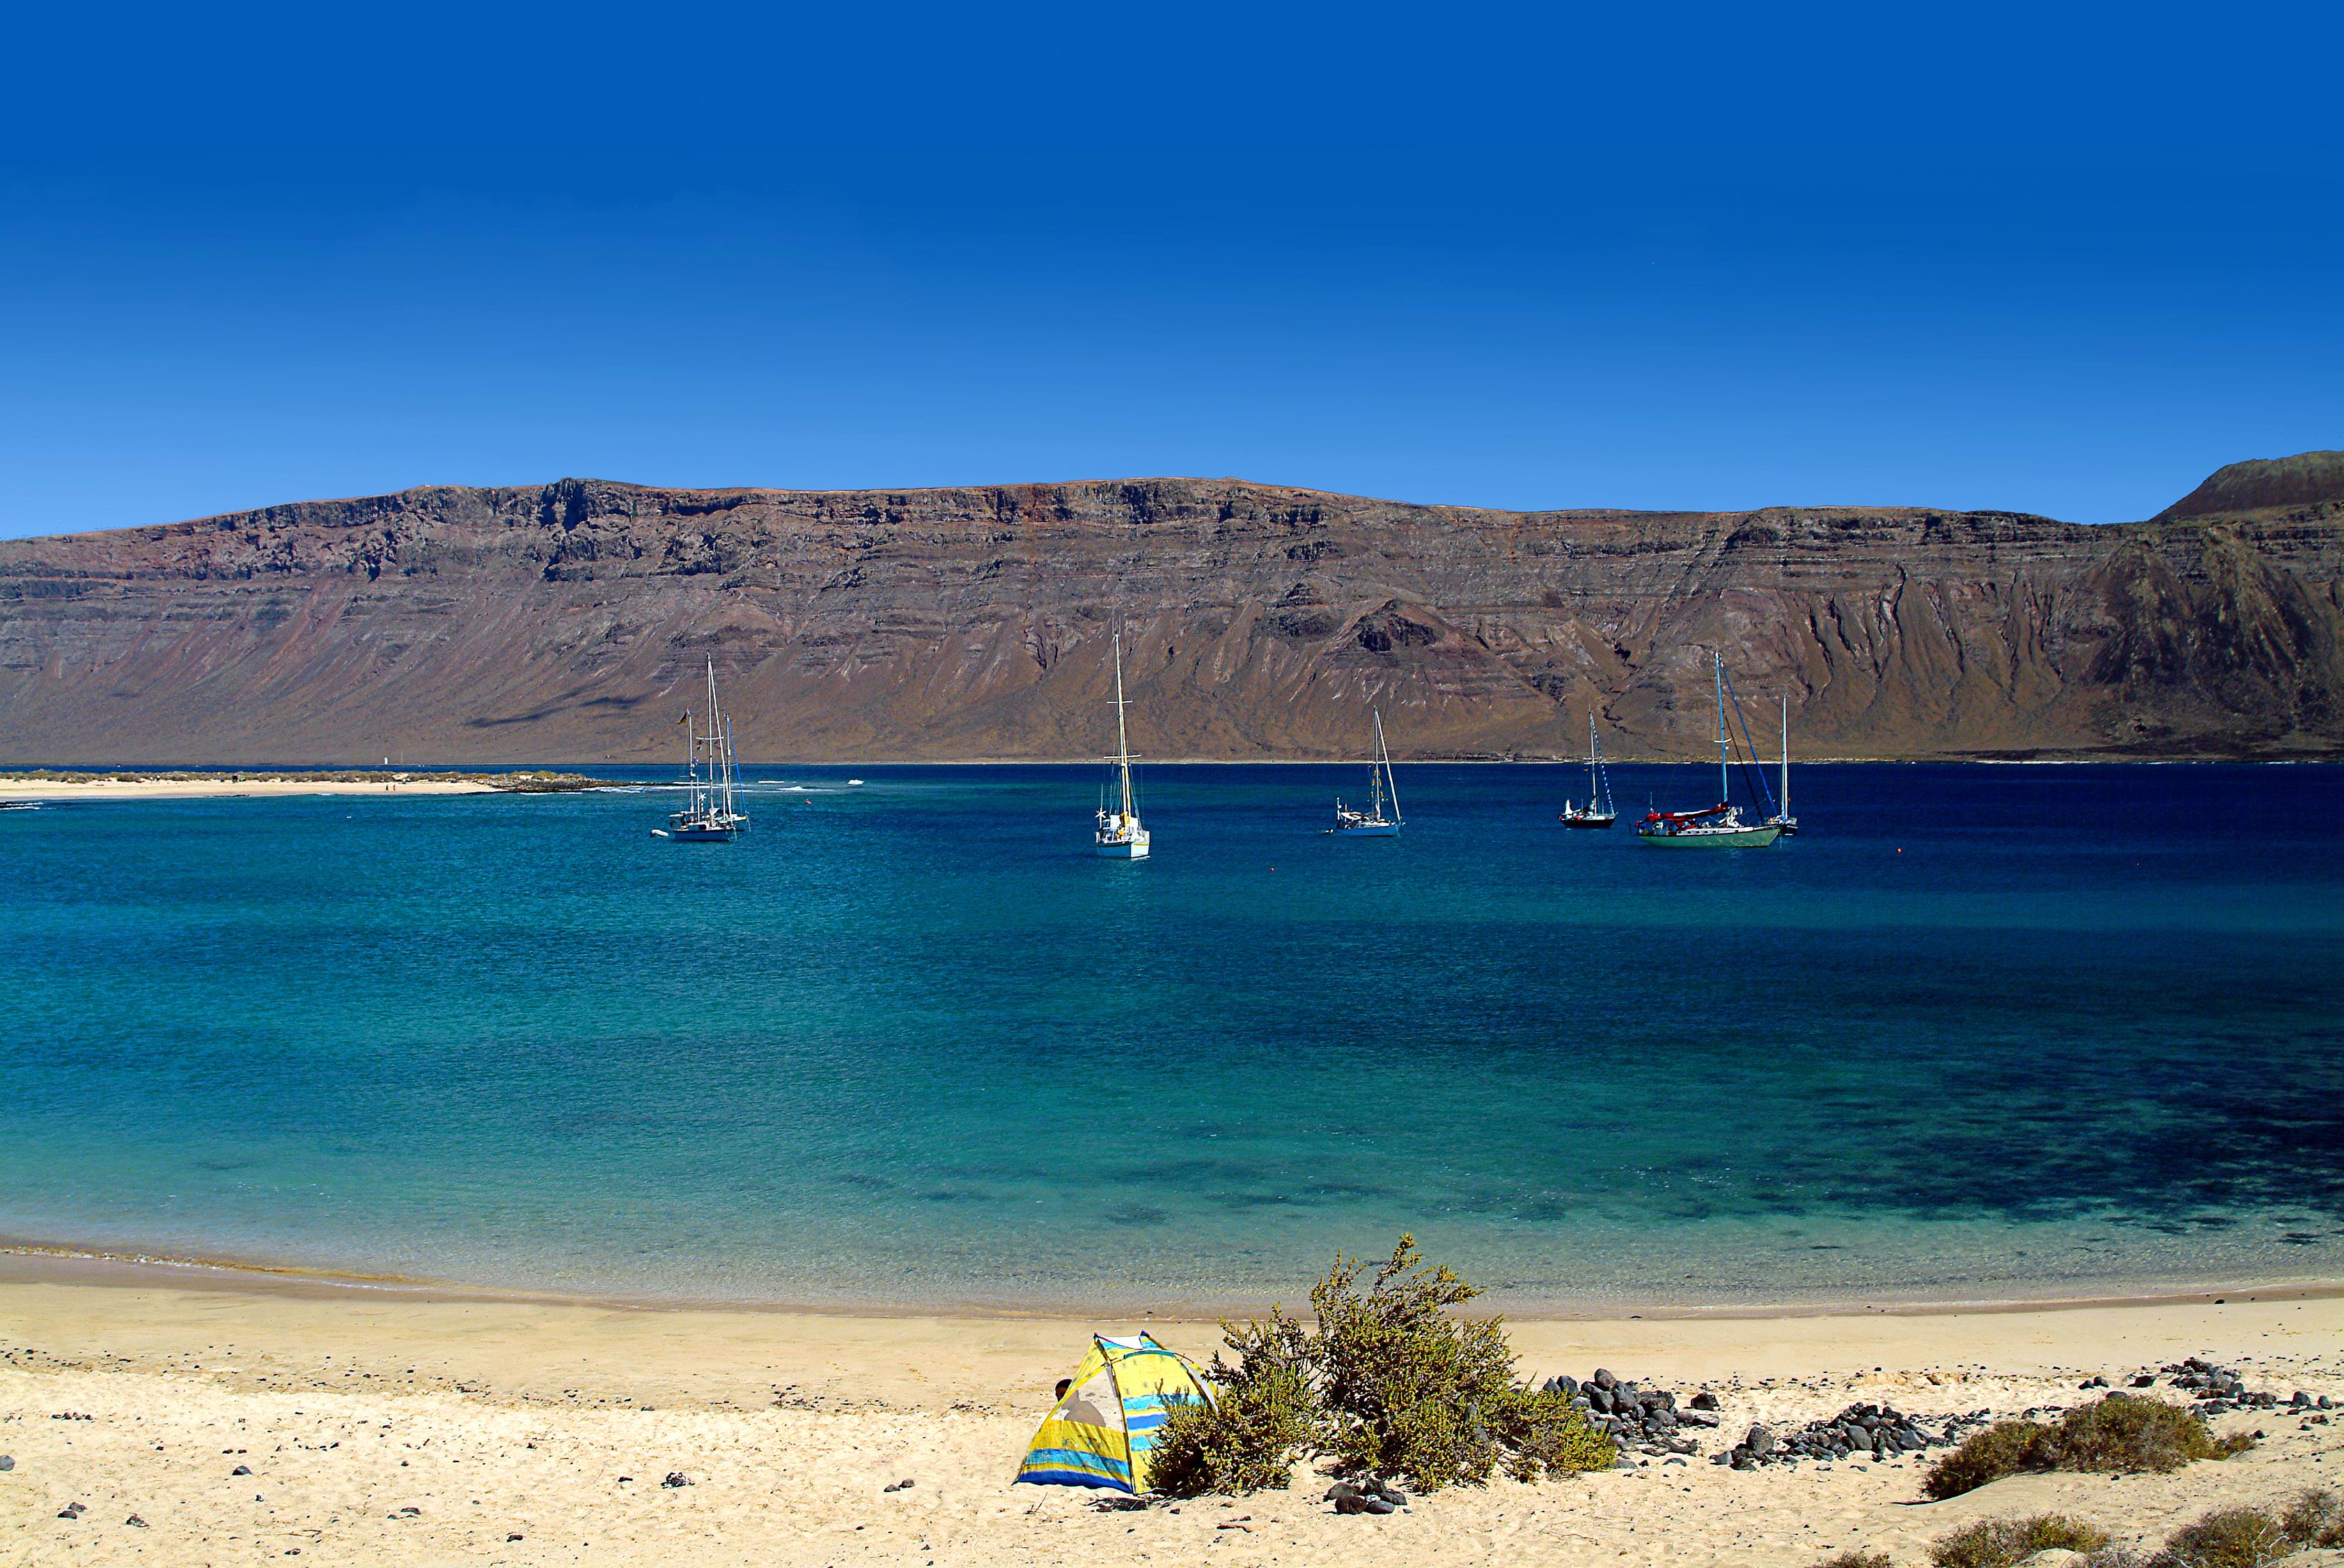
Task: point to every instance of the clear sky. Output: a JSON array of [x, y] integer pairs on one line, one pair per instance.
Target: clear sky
[[2054, 258]]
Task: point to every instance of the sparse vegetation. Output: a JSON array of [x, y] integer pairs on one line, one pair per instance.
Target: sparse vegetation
[[1856, 1560], [1387, 1384], [2005, 1448], [2227, 1538], [2315, 1518], [2120, 1434], [2000, 1542]]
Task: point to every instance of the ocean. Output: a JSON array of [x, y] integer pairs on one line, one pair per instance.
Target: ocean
[[1979, 1032]]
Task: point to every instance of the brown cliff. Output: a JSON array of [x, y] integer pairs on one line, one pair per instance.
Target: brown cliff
[[564, 623]]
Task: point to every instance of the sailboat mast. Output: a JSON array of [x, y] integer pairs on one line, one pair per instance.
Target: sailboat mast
[[1725, 783], [1385, 781], [1786, 756], [1122, 741]]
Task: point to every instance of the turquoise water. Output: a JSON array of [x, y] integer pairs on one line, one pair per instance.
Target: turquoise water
[[1980, 1032]]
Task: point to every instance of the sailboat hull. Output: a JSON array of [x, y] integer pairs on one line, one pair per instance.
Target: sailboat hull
[[1367, 830], [706, 834], [1589, 820], [1714, 838], [1122, 849]]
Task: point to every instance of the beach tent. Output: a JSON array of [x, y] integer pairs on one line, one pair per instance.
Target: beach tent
[[1100, 1432]]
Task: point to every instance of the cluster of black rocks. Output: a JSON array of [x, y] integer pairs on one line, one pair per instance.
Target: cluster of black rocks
[[1860, 1431], [1641, 1419], [2218, 1388]]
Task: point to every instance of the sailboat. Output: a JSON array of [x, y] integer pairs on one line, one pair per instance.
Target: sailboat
[[1783, 818], [1718, 826], [710, 773], [1599, 811], [1120, 835], [1372, 823]]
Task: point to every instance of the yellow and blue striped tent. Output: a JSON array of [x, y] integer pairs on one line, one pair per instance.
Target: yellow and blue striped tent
[[1100, 1432]]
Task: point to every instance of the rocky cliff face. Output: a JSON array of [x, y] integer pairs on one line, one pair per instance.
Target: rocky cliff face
[[569, 622]]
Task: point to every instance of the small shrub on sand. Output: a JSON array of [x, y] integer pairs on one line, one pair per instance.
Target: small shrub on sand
[[1412, 1392], [2124, 1435], [2226, 1538], [2117, 1435], [2005, 1448], [2001, 1542], [1387, 1384], [1261, 1423], [2315, 1518], [1856, 1560]]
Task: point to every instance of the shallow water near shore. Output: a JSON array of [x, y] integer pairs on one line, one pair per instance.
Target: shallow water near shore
[[1978, 1033]]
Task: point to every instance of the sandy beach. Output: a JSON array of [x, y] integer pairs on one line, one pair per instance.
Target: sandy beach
[[385, 1426], [19, 788]]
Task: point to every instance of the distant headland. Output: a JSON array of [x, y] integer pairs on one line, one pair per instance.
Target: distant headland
[[563, 621]]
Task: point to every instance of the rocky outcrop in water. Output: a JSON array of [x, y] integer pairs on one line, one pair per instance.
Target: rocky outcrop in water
[[568, 623]]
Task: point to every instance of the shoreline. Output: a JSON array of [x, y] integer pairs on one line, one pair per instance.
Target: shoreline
[[25, 1261], [46, 786]]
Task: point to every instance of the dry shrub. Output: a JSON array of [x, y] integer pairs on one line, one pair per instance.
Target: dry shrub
[[2124, 1435], [2001, 1542], [2003, 1449], [2117, 1435], [2226, 1538], [2315, 1518], [1856, 1560]]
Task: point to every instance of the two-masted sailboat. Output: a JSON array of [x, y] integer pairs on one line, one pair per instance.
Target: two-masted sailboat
[[1381, 819], [1599, 811], [1718, 826], [1120, 835], [712, 776]]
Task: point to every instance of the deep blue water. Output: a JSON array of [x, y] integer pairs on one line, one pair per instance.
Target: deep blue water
[[1978, 1032]]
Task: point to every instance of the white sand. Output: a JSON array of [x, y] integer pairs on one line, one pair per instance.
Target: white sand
[[205, 788], [492, 1419]]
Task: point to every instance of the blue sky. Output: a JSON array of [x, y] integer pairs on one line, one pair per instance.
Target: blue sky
[[2049, 258]]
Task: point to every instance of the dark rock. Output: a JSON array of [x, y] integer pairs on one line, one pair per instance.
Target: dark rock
[[1600, 1398], [1704, 1400], [675, 1478], [512, 1538], [1387, 1491], [241, 1470], [1695, 1418], [136, 1523], [2143, 1379], [8, 1464], [1603, 1380], [1760, 1443]]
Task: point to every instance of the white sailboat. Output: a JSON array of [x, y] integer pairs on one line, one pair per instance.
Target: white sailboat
[[1373, 823], [1599, 811], [1120, 835], [713, 812], [1718, 826]]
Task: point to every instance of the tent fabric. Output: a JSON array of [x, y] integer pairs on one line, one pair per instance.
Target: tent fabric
[[1100, 1433]]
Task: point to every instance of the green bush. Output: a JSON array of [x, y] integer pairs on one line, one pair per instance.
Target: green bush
[[1387, 1384], [2000, 1542], [1856, 1560], [2227, 1538], [2117, 1435], [1262, 1420]]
